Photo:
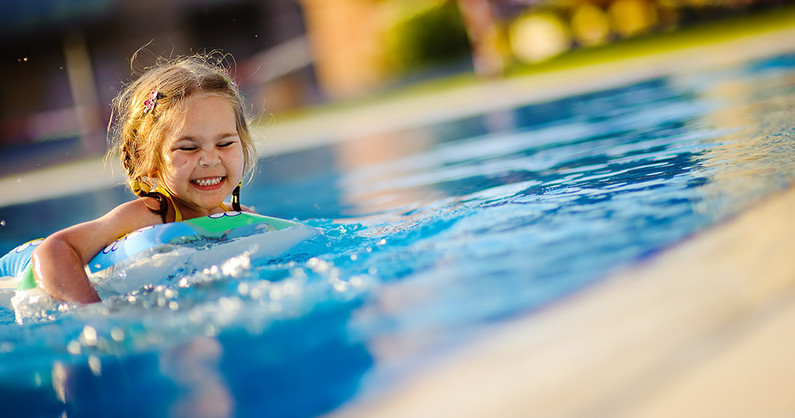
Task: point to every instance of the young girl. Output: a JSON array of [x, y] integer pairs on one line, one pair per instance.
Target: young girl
[[183, 139]]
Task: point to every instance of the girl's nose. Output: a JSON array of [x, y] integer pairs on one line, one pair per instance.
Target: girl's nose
[[209, 158]]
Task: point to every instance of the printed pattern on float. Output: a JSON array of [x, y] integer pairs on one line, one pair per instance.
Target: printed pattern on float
[[220, 226]]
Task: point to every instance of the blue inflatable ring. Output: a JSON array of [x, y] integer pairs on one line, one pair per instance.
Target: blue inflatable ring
[[220, 226]]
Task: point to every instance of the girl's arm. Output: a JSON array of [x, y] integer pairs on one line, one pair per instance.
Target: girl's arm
[[59, 261]]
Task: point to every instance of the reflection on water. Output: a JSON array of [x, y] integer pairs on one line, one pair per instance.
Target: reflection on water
[[428, 236], [756, 114]]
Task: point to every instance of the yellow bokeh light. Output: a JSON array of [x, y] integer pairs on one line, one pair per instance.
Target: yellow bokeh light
[[539, 36], [590, 25], [632, 17]]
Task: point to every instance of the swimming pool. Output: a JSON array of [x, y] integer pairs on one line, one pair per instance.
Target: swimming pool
[[430, 235]]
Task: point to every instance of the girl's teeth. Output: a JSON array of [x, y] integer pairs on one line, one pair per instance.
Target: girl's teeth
[[208, 182]]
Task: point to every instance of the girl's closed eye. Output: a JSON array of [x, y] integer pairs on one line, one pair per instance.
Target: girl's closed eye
[[227, 141], [185, 146]]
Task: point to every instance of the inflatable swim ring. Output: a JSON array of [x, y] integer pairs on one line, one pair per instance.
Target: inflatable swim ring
[[214, 228]]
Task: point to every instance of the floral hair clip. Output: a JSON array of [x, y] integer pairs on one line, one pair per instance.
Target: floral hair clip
[[151, 102]]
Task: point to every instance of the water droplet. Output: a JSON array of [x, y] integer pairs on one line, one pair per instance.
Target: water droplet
[[89, 335], [117, 334], [59, 381], [95, 365], [74, 347], [242, 288]]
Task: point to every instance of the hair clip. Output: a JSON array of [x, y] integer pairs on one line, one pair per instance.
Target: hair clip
[[151, 102]]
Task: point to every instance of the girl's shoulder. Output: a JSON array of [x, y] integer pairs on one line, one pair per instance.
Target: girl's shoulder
[[134, 214]]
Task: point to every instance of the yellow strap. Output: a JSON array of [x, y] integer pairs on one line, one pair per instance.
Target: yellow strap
[[177, 213]]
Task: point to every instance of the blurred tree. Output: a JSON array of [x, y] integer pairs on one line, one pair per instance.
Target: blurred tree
[[430, 35]]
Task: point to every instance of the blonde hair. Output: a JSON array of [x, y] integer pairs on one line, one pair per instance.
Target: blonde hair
[[138, 131]]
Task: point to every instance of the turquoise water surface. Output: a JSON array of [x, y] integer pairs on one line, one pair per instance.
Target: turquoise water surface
[[427, 237]]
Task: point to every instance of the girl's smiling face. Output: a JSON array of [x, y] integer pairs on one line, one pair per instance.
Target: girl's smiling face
[[204, 157]]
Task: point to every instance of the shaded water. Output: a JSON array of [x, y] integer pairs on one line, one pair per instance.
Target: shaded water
[[427, 237]]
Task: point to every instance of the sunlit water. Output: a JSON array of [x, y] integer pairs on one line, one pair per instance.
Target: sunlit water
[[426, 237]]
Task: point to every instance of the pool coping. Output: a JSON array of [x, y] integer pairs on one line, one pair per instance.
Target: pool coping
[[492, 96]]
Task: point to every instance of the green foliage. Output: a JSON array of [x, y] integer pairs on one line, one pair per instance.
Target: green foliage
[[433, 37]]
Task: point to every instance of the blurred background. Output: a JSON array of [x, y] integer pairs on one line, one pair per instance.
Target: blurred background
[[65, 60]]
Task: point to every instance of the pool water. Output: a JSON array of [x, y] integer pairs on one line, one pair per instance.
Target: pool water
[[428, 237]]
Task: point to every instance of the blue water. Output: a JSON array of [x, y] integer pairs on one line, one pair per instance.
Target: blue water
[[429, 236]]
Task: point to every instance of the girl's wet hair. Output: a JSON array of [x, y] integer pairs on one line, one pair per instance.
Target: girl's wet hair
[[138, 126]]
